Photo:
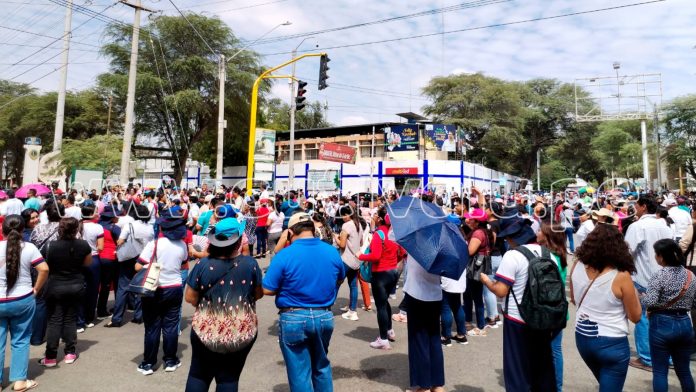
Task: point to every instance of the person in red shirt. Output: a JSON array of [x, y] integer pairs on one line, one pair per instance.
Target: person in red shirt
[[262, 229], [384, 256]]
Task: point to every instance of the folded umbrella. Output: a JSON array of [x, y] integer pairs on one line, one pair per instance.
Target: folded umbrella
[[40, 189], [435, 243]]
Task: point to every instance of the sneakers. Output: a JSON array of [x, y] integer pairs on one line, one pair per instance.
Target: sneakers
[[367, 308], [491, 323], [477, 332], [172, 366], [90, 325], [391, 335], [49, 363], [351, 315], [460, 339], [380, 344], [81, 330], [145, 369], [447, 342], [400, 317], [344, 309], [105, 316], [70, 358]]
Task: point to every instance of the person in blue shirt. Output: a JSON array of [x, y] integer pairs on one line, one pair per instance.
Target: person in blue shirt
[[305, 278], [289, 207], [32, 201]]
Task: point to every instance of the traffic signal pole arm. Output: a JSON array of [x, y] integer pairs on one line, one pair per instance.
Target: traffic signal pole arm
[[254, 103]]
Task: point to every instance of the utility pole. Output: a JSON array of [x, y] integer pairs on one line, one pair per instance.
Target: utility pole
[[221, 119], [130, 100], [293, 109], [539, 170], [60, 108], [658, 164], [646, 162]]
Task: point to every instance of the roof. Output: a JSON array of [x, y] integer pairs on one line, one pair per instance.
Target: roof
[[361, 129], [413, 116]]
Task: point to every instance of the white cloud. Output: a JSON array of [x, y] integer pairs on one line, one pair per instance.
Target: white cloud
[[645, 39]]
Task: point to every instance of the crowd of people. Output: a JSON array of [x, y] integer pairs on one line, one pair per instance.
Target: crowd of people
[[624, 260]]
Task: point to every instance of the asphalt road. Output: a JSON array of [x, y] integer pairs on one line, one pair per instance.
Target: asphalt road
[[108, 360]]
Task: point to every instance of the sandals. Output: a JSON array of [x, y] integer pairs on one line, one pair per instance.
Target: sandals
[[367, 308], [28, 384]]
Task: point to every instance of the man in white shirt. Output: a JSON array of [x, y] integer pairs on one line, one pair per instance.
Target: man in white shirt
[[264, 192], [681, 218], [641, 236], [586, 227], [12, 206], [72, 210]]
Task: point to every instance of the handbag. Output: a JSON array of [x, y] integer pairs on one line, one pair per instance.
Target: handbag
[[481, 264], [129, 249], [146, 281], [366, 266]]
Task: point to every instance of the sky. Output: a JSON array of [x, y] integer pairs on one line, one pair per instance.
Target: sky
[[372, 82]]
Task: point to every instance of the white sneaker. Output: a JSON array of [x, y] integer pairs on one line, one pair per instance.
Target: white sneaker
[[391, 335], [350, 315], [80, 330], [381, 344], [344, 309], [90, 325]]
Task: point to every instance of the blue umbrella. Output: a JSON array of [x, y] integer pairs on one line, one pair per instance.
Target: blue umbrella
[[435, 243]]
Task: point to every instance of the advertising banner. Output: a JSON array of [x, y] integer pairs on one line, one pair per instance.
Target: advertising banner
[[337, 153], [440, 137], [401, 138], [264, 150]]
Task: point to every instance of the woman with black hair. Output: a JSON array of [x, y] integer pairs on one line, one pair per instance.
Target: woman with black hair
[[66, 258], [669, 299], [350, 241], [31, 220], [17, 297], [224, 325]]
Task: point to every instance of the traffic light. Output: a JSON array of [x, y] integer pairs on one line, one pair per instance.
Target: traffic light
[[300, 98], [323, 69]]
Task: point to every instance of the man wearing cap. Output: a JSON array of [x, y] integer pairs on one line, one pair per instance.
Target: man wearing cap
[[586, 226], [527, 358], [305, 278], [641, 236]]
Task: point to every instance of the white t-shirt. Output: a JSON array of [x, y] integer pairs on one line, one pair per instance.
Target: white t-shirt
[[585, 229], [12, 207], [170, 256], [454, 286], [682, 220], [91, 232], [421, 284], [276, 222], [513, 272], [74, 212], [353, 244], [30, 257], [123, 221]]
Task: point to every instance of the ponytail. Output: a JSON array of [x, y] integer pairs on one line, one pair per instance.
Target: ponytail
[[12, 229]]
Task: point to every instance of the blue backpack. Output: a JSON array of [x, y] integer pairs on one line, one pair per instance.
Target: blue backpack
[[366, 266]]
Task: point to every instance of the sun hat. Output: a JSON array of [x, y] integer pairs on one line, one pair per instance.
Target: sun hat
[[519, 231], [669, 202], [171, 224], [79, 200], [226, 232], [603, 212], [298, 218], [108, 213], [477, 214]]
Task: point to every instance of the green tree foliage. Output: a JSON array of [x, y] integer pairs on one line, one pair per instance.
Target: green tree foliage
[[276, 115], [96, 153], [680, 127], [177, 86]]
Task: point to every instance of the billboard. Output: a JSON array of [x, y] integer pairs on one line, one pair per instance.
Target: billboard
[[401, 138], [264, 149], [335, 152], [440, 137]]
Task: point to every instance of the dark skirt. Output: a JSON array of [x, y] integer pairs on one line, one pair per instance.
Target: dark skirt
[[426, 363]]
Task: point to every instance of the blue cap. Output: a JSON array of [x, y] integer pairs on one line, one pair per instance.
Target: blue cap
[[226, 211], [226, 232]]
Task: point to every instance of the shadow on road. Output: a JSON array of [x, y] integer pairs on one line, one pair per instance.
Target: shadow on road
[[35, 369], [384, 369], [180, 349], [467, 388], [366, 334]]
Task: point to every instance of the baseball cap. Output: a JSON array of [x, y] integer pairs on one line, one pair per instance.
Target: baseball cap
[[477, 214], [299, 218], [226, 232]]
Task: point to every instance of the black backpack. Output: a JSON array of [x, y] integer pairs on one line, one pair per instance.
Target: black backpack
[[544, 306]]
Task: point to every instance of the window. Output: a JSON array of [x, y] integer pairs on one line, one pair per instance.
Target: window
[[366, 149], [311, 151], [282, 154]]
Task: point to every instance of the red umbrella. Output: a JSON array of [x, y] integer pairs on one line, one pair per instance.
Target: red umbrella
[[40, 189]]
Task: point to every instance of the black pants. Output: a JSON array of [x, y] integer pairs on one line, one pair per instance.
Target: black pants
[[161, 318], [207, 365], [527, 359], [261, 240], [62, 301], [426, 363], [382, 285], [109, 277]]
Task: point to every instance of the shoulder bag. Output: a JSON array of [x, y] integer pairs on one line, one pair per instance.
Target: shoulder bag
[[129, 249], [480, 264], [146, 281], [366, 266]]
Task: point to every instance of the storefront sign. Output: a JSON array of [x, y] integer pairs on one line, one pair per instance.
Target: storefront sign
[[439, 137], [401, 138], [337, 153], [402, 171]]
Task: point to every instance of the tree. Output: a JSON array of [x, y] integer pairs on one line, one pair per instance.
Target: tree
[[680, 127], [276, 115], [95, 153], [177, 86]]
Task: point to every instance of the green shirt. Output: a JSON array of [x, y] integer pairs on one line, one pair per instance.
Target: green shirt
[[563, 271]]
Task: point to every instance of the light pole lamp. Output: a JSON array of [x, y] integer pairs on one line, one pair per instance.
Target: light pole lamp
[[222, 66]]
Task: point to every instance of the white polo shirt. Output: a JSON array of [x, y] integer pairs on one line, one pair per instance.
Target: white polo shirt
[[170, 256], [91, 232]]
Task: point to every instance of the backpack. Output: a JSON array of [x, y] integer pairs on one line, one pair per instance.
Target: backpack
[[544, 306]]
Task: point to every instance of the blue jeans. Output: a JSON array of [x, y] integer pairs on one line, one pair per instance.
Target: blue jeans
[[160, 316], [126, 270], [184, 276], [671, 335], [452, 305], [557, 351], [304, 341], [489, 298], [15, 318], [352, 279], [87, 312], [569, 234], [607, 358], [40, 322], [642, 332]]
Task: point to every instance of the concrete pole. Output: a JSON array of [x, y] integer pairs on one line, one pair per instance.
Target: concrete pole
[[293, 109], [221, 120], [130, 100], [658, 159], [539, 170], [60, 107], [646, 162]]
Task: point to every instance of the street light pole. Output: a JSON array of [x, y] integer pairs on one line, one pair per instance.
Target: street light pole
[[293, 109], [60, 109]]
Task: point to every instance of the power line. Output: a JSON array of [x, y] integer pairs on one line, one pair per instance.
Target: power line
[[231, 9], [472, 4], [53, 47], [194, 28], [42, 35], [479, 27]]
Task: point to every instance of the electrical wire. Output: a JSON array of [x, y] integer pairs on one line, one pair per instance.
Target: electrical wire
[[194, 29], [478, 27], [44, 36]]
